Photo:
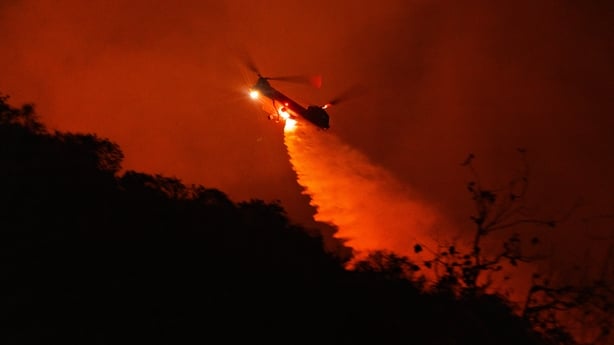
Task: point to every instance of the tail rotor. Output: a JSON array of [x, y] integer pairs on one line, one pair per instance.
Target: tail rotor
[[348, 94]]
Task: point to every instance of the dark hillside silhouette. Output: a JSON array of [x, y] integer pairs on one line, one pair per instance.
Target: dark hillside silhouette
[[92, 256]]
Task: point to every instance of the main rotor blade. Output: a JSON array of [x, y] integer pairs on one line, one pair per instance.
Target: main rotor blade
[[247, 60], [252, 66], [313, 80]]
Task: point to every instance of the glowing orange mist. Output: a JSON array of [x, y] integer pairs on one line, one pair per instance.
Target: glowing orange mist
[[369, 207], [290, 125]]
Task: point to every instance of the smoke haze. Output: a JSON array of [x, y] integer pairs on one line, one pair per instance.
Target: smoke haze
[[444, 78]]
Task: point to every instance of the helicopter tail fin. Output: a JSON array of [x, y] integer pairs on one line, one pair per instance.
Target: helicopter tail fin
[[316, 81]]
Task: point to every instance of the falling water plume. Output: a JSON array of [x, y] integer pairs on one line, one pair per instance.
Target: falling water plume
[[370, 208]]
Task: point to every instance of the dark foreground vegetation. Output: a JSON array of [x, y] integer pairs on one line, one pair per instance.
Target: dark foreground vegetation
[[89, 255]]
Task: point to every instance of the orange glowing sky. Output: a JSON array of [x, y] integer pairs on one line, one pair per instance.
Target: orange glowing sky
[[443, 79]]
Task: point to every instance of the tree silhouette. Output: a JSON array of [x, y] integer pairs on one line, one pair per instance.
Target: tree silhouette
[[551, 309], [569, 313], [496, 210]]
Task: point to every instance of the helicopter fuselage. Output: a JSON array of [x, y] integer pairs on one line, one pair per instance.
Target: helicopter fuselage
[[283, 107]]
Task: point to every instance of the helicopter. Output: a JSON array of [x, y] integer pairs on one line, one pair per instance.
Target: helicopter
[[282, 108]]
